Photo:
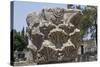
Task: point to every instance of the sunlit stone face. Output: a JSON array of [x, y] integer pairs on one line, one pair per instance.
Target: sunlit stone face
[[55, 33]]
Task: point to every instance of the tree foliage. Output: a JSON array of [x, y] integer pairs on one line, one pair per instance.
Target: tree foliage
[[88, 19], [19, 41]]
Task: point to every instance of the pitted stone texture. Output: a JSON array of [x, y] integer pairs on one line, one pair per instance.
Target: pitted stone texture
[[55, 34]]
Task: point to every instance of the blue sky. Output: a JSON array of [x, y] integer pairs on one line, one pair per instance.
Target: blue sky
[[22, 9]]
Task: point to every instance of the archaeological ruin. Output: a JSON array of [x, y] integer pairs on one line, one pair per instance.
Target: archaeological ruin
[[53, 35]]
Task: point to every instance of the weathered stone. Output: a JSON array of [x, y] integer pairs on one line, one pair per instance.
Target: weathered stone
[[58, 38], [55, 33], [37, 40]]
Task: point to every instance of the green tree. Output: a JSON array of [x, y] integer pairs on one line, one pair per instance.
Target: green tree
[[22, 33], [88, 19], [19, 41]]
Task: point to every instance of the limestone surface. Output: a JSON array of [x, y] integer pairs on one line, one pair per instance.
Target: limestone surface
[[54, 34]]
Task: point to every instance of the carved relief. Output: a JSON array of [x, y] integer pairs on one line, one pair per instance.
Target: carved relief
[[55, 32]]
